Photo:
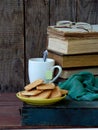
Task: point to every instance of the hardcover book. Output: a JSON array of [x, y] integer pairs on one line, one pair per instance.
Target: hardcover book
[[66, 73], [72, 41], [80, 60]]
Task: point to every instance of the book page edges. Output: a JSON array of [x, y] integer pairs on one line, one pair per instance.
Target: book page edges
[[75, 46], [58, 45]]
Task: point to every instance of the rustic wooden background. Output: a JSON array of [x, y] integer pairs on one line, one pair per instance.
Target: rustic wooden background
[[23, 33]]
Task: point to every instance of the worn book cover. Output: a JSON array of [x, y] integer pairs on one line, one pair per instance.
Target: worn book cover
[[73, 46], [67, 72], [73, 32], [80, 60], [72, 41]]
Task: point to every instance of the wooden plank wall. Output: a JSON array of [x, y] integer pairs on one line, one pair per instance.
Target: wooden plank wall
[[11, 45], [23, 33]]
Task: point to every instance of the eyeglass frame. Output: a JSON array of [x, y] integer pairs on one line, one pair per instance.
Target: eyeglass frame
[[68, 24]]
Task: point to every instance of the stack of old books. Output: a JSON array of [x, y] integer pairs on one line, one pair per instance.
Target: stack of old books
[[73, 47]]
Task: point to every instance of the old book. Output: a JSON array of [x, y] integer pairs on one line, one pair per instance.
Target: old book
[[66, 73], [70, 41], [73, 32], [73, 46], [79, 60]]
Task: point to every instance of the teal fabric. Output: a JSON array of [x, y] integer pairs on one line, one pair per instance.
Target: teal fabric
[[81, 86]]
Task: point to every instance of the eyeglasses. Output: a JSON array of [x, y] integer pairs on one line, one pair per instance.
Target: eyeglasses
[[68, 24]]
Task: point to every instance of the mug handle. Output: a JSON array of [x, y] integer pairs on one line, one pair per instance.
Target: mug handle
[[58, 74]]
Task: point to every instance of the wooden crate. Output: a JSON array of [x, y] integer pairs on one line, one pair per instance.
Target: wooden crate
[[65, 114]]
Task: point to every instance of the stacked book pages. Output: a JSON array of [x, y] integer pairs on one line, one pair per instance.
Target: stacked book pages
[[75, 49]]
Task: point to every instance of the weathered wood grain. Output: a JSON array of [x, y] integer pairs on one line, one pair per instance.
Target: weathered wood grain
[[36, 22], [11, 45], [62, 10], [87, 11], [9, 110]]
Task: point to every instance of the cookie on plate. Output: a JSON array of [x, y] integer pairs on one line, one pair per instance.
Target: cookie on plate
[[55, 93], [31, 93], [33, 84], [44, 95], [47, 86]]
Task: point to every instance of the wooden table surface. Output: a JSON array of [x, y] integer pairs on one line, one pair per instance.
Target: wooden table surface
[[10, 117], [9, 111]]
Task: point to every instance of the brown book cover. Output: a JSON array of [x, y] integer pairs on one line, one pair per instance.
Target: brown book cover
[[79, 60], [66, 73]]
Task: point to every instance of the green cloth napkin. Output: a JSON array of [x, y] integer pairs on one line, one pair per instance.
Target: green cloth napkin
[[81, 86]]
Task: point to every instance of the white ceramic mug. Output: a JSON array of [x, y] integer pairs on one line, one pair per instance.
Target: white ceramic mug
[[38, 69]]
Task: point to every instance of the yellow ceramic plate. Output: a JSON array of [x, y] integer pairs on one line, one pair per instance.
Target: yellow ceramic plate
[[40, 101]]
